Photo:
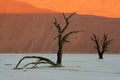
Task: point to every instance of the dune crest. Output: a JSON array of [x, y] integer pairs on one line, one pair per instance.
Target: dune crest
[[12, 6], [106, 8]]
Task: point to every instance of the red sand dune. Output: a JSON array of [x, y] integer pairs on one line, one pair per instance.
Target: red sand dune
[[35, 32]]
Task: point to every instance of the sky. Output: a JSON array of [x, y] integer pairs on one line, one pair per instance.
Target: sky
[[108, 8]]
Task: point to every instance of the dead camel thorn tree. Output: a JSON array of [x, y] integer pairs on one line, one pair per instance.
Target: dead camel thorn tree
[[61, 40], [101, 45]]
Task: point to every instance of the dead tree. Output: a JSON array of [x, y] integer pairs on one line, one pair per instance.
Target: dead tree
[[61, 40], [101, 45]]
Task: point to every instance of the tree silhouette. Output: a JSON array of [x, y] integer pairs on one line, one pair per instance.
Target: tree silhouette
[[61, 37], [102, 45], [61, 40]]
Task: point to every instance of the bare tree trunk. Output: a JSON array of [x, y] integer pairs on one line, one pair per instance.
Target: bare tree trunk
[[59, 58], [60, 51], [100, 55], [59, 55]]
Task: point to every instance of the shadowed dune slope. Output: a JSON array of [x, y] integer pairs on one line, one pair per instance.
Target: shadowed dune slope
[[35, 32]]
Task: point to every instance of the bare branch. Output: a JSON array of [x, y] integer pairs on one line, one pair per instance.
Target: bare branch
[[96, 41], [67, 21], [94, 38], [64, 16], [68, 16], [64, 39], [106, 43], [57, 25], [71, 15], [35, 57]]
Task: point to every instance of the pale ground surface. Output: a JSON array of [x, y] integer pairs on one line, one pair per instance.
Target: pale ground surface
[[77, 67]]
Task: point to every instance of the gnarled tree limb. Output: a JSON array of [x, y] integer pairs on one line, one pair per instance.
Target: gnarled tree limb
[[39, 59]]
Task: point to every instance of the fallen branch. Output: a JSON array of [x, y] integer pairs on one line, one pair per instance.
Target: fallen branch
[[40, 60]]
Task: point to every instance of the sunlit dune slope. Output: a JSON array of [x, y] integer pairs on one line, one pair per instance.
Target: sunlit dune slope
[[107, 8], [13, 6]]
